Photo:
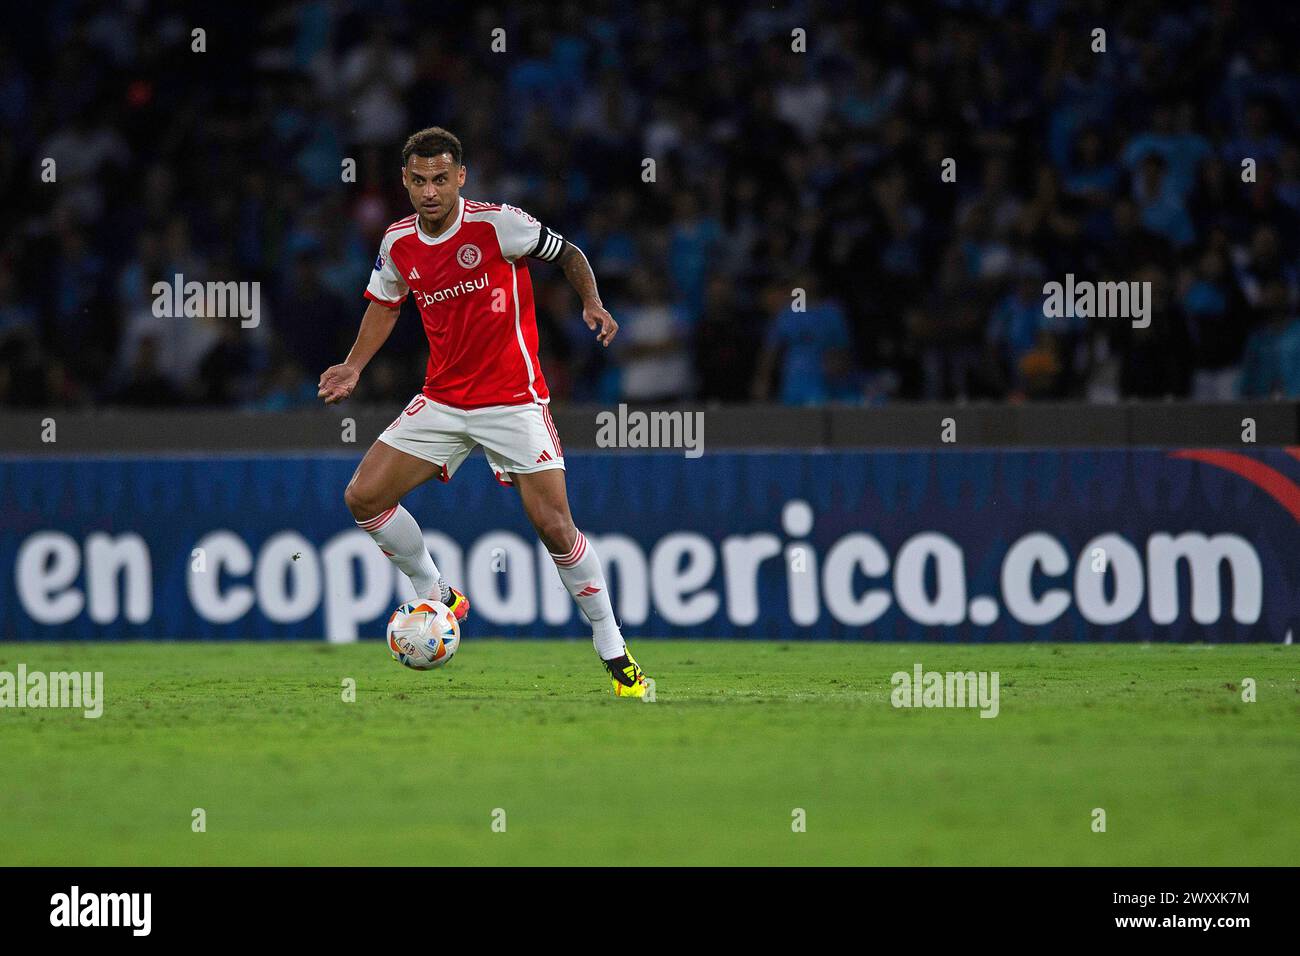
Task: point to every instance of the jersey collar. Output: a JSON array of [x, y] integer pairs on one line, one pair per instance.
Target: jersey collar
[[431, 241]]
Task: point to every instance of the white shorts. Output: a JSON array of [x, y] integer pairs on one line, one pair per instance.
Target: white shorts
[[518, 439]]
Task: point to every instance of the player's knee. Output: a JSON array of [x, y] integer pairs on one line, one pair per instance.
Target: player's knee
[[362, 501], [557, 531]]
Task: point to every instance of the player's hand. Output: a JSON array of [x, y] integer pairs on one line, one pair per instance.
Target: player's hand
[[597, 315], [337, 383]]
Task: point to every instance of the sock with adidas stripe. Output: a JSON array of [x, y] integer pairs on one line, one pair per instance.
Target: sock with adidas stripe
[[398, 536], [584, 578]]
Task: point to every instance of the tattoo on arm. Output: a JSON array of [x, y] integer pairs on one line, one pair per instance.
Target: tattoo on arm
[[578, 271]]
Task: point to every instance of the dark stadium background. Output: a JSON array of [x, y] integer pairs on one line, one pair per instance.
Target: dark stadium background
[[819, 171]]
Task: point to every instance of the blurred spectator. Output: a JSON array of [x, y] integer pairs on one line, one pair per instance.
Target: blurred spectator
[[1271, 368], [725, 345], [808, 348], [693, 242], [654, 360], [1014, 332], [1091, 175], [1155, 358], [374, 77], [1180, 152], [145, 385], [226, 370], [14, 315], [319, 326], [284, 387], [1217, 325], [23, 375], [83, 151], [1262, 263], [1161, 201]]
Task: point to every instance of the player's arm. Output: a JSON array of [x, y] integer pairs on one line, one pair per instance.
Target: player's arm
[[522, 235], [578, 271], [339, 380]]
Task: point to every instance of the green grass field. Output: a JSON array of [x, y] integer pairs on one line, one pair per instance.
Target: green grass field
[[742, 733]]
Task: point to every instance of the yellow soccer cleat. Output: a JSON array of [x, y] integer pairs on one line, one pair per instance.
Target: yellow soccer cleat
[[627, 678]]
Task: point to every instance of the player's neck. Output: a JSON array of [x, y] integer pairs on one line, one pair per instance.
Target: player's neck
[[433, 228]]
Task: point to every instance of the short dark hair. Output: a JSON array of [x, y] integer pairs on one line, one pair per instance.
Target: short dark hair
[[431, 142]]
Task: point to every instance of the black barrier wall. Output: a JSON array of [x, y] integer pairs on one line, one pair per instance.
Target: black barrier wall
[[905, 426]]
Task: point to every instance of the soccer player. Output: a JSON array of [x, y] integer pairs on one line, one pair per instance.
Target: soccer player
[[465, 262]]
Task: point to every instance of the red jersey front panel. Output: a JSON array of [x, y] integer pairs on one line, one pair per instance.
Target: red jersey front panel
[[475, 297]]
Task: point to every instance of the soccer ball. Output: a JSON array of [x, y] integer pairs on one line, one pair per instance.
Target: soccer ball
[[423, 634]]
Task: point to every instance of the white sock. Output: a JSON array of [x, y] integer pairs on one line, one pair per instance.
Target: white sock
[[399, 537], [582, 574]]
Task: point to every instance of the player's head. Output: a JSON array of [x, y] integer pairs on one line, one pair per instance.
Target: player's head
[[433, 172]]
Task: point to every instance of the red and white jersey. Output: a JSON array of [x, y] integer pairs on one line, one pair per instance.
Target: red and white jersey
[[476, 299]]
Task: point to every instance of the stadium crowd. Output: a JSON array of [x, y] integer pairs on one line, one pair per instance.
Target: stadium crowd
[[775, 171]]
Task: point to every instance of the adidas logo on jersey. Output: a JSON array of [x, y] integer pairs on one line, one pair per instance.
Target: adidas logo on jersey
[[545, 456], [415, 273]]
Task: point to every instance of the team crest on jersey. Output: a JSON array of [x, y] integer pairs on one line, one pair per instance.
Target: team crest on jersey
[[469, 255]]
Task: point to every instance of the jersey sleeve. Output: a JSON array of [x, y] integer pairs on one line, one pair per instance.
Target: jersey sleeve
[[386, 286], [522, 235]]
